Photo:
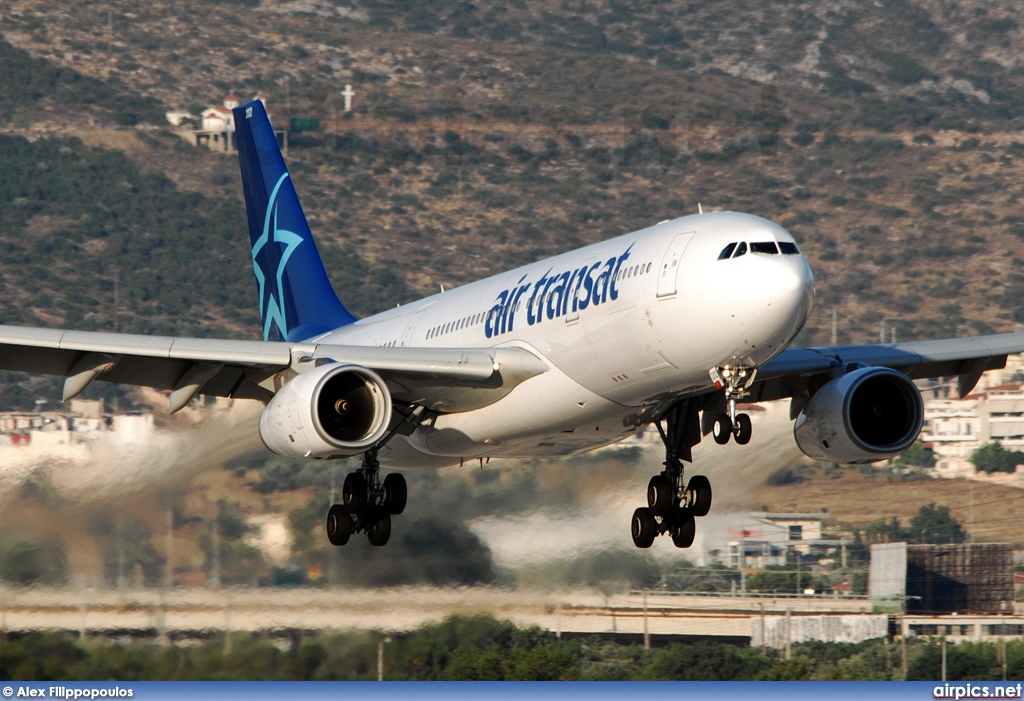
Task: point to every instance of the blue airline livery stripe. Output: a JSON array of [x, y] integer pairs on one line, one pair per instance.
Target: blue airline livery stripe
[[550, 295]]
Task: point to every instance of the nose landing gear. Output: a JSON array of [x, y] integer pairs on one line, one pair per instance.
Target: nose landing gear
[[367, 504], [671, 506], [734, 380]]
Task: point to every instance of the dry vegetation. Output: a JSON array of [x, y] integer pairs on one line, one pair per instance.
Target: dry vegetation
[[857, 499], [884, 138]]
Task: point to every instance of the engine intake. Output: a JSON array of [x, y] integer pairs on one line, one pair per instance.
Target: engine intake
[[866, 415], [335, 410]]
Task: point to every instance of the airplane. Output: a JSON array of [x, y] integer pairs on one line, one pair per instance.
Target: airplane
[[671, 326]]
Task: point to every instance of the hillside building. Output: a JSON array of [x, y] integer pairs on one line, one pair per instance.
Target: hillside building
[[217, 130], [760, 539], [954, 428]]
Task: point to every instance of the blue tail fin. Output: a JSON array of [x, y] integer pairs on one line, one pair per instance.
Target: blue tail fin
[[297, 301]]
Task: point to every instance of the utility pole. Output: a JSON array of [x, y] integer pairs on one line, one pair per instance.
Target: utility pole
[[119, 532], [797, 554], [117, 300], [647, 634], [970, 489], [380, 658], [1002, 654], [789, 634], [835, 328], [903, 647], [215, 555], [763, 641], [743, 567], [943, 655], [169, 566]]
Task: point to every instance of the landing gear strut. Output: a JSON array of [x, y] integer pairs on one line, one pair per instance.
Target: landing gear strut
[[734, 380], [671, 506], [367, 504]]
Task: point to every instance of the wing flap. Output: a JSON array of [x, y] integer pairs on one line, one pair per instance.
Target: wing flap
[[967, 358], [442, 379]]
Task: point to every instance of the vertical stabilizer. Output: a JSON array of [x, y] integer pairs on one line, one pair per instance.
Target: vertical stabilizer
[[297, 300]]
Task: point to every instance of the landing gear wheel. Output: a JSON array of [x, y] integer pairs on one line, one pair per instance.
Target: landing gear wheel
[[685, 529], [742, 429], [396, 494], [353, 493], [699, 490], [339, 525], [379, 532], [659, 495], [644, 528], [722, 429]]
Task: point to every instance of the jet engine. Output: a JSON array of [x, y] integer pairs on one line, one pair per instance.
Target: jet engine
[[866, 415], [335, 410]]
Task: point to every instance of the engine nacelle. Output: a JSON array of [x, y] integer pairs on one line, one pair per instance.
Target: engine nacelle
[[335, 410], [866, 415]]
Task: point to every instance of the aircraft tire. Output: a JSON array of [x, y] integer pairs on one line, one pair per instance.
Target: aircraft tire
[[743, 429], [396, 493], [379, 533], [339, 525], [643, 528], [700, 488], [685, 530], [722, 429], [659, 495], [353, 493]]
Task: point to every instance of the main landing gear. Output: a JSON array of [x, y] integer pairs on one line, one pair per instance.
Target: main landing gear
[[735, 380], [367, 504], [671, 506]]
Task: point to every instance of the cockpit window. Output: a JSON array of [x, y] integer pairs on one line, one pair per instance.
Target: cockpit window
[[740, 250], [788, 248], [727, 251], [764, 247]]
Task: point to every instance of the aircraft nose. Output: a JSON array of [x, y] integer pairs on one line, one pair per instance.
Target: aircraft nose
[[793, 277], [788, 291]]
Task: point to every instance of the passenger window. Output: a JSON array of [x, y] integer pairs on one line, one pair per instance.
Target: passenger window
[[727, 251], [788, 249], [740, 250], [767, 247]]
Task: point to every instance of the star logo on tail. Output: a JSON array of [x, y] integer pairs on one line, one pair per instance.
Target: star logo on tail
[[272, 307]]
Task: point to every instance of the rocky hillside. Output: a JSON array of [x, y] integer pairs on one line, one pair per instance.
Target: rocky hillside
[[487, 134]]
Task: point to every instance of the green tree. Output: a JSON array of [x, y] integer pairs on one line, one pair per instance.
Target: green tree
[[994, 458], [713, 577], [796, 669], [24, 562], [885, 531], [931, 524], [917, 456], [934, 524], [704, 662]]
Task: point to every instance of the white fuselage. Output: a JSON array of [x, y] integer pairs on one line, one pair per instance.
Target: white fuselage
[[621, 323]]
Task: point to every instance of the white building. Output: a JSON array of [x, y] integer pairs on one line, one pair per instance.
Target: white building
[[760, 539], [217, 132], [955, 428], [218, 119], [176, 117]]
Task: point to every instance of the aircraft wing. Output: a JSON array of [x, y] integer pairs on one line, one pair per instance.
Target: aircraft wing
[[445, 379], [966, 358]]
